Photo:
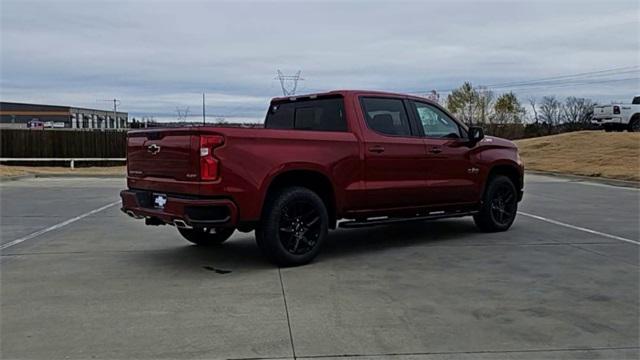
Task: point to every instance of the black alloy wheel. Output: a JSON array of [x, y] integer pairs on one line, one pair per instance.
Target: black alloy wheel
[[293, 227], [299, 227], [499, 205], [503, 204]]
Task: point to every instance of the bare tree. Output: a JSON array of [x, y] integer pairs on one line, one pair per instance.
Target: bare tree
[[577, 110], [534, 109], [484, 104], [551, 111], [434, 96]]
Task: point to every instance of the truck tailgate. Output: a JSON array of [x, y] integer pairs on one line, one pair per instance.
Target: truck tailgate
[[602, 111], [163, 154]]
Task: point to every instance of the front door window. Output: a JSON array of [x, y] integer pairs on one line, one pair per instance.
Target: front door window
[[435, 123]]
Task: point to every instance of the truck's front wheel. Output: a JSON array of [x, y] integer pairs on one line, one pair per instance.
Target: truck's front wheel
[[499, 205], [206, 236], [294, 226]]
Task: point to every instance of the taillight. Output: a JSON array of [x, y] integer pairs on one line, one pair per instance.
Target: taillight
[[209, 165], [616, 109]]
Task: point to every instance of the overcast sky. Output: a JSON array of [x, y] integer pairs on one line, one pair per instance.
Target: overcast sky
[[156, 55]]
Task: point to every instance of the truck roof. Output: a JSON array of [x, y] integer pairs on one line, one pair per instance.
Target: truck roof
[[344, 92]]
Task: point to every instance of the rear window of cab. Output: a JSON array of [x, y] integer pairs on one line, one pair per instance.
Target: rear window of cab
[[324, 114]]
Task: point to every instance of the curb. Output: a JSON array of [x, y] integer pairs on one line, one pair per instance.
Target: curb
[[16, 178], [600, 180]]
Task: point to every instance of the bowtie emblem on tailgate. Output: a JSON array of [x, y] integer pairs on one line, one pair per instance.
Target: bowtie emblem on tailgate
[[153, 149]]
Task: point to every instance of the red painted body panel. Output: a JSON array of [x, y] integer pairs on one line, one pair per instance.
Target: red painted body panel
[[405, 176]]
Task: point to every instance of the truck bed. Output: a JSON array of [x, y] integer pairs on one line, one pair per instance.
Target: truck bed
[[247, 157]]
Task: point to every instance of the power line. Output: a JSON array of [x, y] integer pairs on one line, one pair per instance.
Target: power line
[[558, 81], [614, 71], [554, 80], [526, 88], [599, 77]]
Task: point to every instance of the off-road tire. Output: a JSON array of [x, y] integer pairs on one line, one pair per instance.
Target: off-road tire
[[634, 124], [499, 205], [206, 237], [281, 235]]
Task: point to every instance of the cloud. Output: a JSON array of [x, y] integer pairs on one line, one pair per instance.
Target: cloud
[[156, 55]]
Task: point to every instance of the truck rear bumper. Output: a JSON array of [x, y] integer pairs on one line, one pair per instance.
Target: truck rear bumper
[[606, 120], [179, 210]]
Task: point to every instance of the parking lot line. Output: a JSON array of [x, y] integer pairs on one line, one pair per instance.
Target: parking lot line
[[556, 222], [57, 226]]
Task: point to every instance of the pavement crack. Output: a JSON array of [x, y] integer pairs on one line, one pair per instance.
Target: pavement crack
[[601, 254], [286, 310]]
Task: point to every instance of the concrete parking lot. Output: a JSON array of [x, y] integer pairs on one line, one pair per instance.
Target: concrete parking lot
[[81, 280]]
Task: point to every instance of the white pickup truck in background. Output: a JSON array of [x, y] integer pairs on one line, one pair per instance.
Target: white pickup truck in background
[[618, 117]]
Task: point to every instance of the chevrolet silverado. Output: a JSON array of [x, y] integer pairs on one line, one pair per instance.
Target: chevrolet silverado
[[322, 161]]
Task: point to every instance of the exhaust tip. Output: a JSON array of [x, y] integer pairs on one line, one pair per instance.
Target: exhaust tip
[[181, 224]]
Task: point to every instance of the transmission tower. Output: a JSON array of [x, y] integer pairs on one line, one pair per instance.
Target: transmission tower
[[287, 79], [183, 113]]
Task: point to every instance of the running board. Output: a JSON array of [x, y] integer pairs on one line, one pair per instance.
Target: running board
[[386, 221]]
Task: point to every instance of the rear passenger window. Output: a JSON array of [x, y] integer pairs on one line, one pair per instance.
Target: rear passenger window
[[280, 116], [319, 115], [386, 116]]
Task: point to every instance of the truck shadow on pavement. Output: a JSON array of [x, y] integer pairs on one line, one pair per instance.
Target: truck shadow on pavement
[[241, 252], [346, 242]]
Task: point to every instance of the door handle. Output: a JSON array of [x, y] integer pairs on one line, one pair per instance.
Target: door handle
[[376, 149], [435, 150]]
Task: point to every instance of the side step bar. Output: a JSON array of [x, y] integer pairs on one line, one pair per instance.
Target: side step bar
[[385, 221]]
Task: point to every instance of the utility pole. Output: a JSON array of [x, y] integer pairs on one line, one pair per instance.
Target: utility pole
[[116, 102], [291, 78], [204, 116], [115, 112]]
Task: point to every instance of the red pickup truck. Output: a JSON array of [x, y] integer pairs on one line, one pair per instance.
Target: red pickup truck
[[336, 159]]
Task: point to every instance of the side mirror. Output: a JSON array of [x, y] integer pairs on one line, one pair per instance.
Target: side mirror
[[475, 134]]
